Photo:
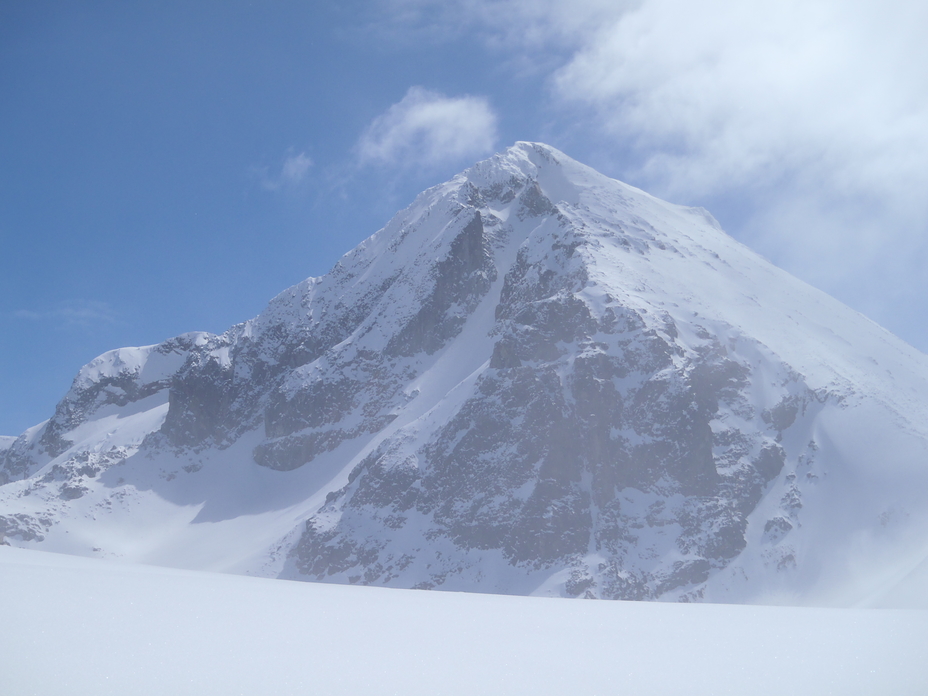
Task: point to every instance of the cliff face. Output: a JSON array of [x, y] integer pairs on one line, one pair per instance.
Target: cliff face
[[535, 379]]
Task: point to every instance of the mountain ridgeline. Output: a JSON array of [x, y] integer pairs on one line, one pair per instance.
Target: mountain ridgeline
[[534, 380]]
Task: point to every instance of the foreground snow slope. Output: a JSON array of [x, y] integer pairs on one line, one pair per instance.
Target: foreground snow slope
[[76, 627]]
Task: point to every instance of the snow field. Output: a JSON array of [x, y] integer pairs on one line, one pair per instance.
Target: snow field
[[79, 626]]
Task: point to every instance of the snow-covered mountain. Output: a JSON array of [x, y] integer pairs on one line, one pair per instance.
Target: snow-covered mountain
[[534, 380]]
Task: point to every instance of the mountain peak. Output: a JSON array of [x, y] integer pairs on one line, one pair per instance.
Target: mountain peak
[[557, 175]]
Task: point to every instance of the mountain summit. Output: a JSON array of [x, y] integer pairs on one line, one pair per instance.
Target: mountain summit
[[533, 380]]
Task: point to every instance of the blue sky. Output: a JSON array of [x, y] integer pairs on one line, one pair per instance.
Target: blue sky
[[170, 166]]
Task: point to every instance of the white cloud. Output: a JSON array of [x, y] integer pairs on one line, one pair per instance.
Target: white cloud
[[295, 168], [428, 128], [717, 94], [292, 172]]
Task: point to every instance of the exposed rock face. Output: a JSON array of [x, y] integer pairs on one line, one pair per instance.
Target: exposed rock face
[[574, 407], [534, 379]]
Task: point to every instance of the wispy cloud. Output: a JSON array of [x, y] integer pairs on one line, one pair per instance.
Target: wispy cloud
[[717, 94], [537, 25], [291, 174], [73, 313], [428, 128]]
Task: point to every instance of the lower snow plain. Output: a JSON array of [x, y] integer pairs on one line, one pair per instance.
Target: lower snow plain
[[81, 626]]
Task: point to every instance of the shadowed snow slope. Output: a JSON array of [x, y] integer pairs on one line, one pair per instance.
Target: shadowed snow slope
[[534, 380], [78, 627]]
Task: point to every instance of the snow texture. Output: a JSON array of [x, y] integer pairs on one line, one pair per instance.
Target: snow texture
[[77, 626]]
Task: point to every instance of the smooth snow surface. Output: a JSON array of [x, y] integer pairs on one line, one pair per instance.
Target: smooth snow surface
[[75, 626]]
